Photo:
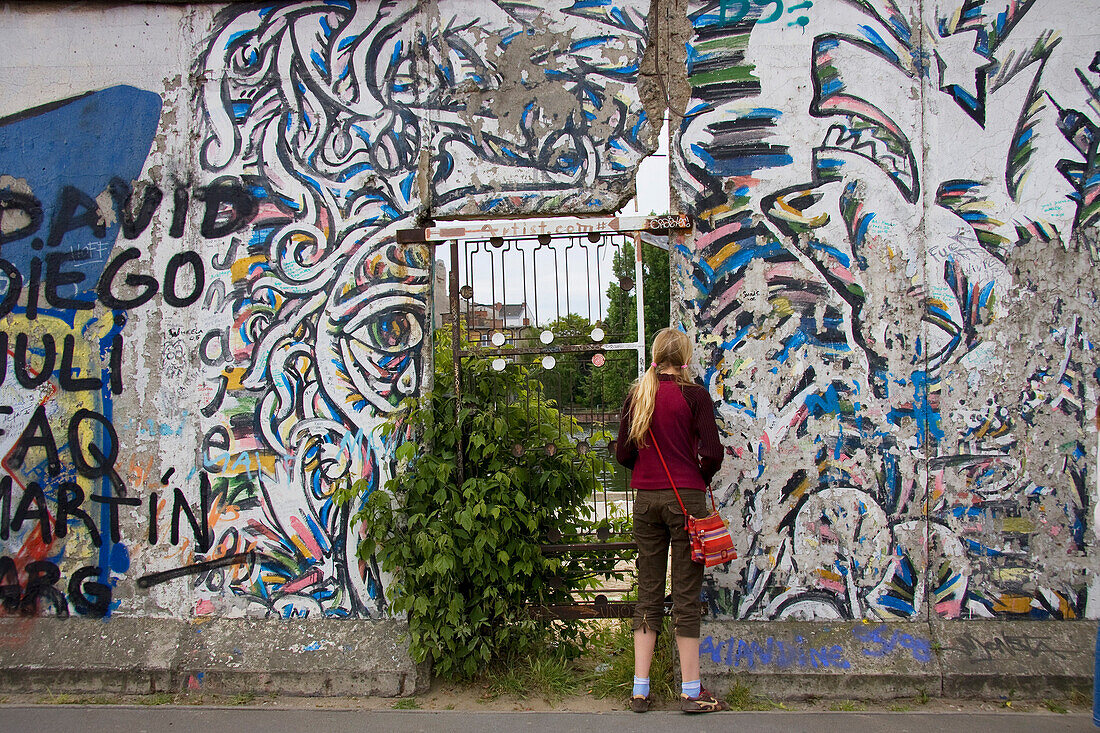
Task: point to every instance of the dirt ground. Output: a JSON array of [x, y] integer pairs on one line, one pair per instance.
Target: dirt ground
[[445, 696]]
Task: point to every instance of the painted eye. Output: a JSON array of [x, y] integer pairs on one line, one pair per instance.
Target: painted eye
[[245, 57], [563, 152], [390, 331]]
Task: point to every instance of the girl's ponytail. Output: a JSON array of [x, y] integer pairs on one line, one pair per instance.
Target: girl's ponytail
[[644, 398], [671, 348]]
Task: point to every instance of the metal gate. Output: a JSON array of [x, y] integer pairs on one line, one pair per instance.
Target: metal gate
[[560, 300]]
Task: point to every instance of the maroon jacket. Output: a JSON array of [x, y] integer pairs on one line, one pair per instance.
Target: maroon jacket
[[684, 426]]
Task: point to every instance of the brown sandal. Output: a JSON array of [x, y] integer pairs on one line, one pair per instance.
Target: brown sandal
[[639, 703]]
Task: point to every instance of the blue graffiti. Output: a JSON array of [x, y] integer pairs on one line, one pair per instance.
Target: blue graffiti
[[62, 154], [781, 654], [67, 152], [879, 642], [734, 11]]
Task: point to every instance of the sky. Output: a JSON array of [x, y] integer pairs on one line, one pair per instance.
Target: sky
[[526, 272]]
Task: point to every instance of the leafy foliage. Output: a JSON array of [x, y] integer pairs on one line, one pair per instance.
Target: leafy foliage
[[465, 555]]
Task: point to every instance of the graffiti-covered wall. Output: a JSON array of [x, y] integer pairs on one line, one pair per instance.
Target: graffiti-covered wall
[[893, 282], [206, 316]]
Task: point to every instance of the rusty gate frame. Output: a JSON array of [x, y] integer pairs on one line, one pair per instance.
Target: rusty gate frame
[[544, 230]]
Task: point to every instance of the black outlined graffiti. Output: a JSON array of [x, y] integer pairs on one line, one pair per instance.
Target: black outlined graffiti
[[505, 111], [847, 313]]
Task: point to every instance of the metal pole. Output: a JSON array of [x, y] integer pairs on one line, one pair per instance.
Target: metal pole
[[456, 361], [639, 292]]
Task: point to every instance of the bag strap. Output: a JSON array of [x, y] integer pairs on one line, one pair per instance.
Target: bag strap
[[673, 483]]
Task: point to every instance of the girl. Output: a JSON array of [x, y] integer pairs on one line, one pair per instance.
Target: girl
[[666, 406]]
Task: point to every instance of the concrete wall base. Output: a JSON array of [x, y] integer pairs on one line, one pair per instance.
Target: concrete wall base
[[221, 656], [982, 659], [779, 660]]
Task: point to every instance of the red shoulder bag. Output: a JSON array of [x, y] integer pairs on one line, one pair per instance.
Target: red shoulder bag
[[711, 542]]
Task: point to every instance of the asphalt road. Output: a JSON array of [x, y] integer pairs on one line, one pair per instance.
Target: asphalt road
[[178, 719]]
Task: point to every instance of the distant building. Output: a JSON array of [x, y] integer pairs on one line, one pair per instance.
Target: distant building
[[440, 305], [514, 315], [482, 319]]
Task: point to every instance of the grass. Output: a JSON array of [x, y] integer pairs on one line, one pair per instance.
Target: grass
[[741, 697], [605, 668], [407, 703], [243, 698], [613, 675], [551, 677], [157, 698], [548, 672], [66, 698], [899, 707], [1055, 707], [847, 706]]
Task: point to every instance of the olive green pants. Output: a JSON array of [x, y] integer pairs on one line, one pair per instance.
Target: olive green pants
[[659, 528]]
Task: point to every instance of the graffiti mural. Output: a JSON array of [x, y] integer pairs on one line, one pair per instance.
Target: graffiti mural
[[78, 505], [206, 315], [892, 283], [347, 121], [62, 199]]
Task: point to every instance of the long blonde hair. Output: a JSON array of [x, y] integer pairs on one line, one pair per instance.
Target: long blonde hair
[[671, 348]]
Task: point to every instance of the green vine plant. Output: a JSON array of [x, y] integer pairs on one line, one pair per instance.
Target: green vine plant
[[465, 557]]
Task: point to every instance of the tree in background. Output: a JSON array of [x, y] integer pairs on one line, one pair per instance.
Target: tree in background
[[566, 383], [609, 386], [657, 296]]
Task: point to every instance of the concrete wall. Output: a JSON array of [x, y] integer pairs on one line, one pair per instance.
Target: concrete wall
[[206, 316], [893, 282]]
